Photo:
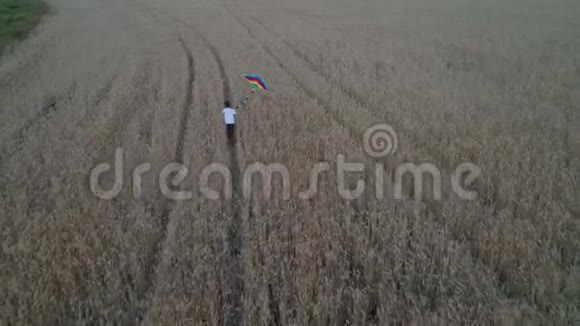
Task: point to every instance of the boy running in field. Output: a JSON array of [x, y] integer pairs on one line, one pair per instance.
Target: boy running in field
[[230, 121]]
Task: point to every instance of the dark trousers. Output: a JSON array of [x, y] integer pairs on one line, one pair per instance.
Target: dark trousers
[[231, 131]]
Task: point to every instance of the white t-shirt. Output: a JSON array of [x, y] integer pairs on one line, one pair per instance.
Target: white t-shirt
[[229, 116]]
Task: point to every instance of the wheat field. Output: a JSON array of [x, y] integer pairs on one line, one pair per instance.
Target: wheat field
[[492, 83]]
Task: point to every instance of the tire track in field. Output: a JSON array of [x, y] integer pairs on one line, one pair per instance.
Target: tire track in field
[[227, 92], [43, 200], [573, 144], [234, 272], [103, 94], [116, 129], [40, 197], [225, 79], [154, 259], [431, 207], [20, 134], [146, 131], [186, 112], [18, 138], [124, 117], [45, 114], [234, 280]]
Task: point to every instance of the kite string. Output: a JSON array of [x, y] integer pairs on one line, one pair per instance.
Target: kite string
[[245, 101]]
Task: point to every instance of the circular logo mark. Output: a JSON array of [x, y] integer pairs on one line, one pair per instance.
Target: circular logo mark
[[380, 140]]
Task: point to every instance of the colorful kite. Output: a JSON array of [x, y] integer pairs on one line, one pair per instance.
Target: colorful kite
[[256, 82]]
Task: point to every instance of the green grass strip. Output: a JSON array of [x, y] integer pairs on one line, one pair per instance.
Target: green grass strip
[[18, 18]]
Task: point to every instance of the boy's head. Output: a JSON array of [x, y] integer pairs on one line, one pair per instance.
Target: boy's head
[[227, 104]]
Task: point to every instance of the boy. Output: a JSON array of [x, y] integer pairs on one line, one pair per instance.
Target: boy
[[230, 121]]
